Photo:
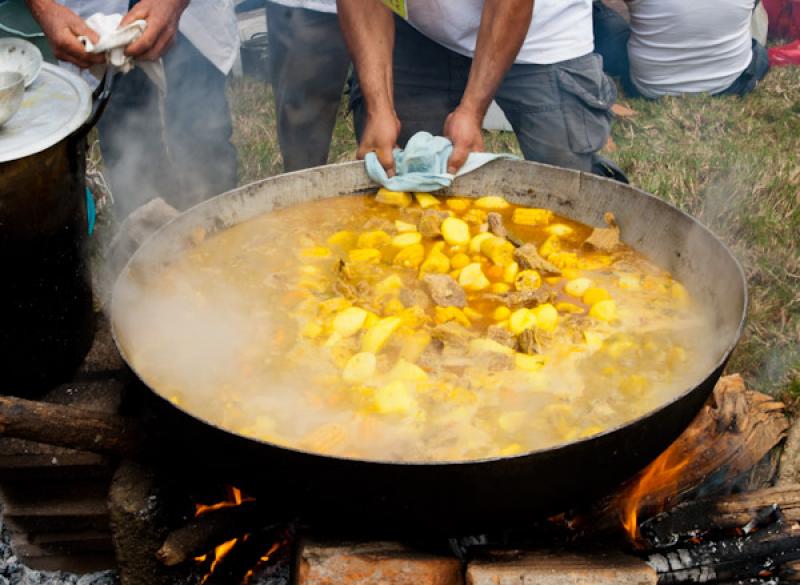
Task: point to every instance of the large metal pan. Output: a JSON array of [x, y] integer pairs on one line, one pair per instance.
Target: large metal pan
[[477, 494]]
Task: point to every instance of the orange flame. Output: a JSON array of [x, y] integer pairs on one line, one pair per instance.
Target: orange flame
[[657, 483], [235, 498]]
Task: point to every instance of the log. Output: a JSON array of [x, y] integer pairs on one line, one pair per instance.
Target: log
[[735, 430], [67, 426], [206, 532]]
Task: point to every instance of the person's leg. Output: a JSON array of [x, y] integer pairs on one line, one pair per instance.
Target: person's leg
[[131, 140], [308, 68], [755, 72], [611, 34], [561, 113], [198, 127], [428, 83]]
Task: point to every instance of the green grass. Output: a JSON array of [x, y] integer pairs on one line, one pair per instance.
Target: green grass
[[733, 163]]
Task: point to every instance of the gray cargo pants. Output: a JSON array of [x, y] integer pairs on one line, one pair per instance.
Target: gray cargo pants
[[561, 113], [308, 67]]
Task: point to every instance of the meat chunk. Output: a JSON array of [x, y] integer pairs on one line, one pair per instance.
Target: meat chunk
[[528, 343], [445, 291], [528, 258], [414, 298], [453, 334], [524, 298], [605, 239], [498, 228], [430, 223], [502, 335]]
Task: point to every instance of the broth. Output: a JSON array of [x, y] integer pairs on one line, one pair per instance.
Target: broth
[[349, 327]]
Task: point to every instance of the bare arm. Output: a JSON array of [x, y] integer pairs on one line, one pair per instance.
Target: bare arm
[[62, 27], [504, 26], [368, 30]]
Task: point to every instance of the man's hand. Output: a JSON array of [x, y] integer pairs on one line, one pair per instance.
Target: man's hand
[[162, 18], [380, 136], [463, 128], [62, 27]]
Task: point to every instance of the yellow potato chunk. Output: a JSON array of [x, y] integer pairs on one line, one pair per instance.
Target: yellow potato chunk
[[436, 262], [373, 239], [593, 339], [376, 336], [550, 246], [630, 282], [501, 313], [458, 204], [472, 278], [559, 230], [365, 255], [532, 216], [316, 252], [604, 310], [569, 308], [349, 321], [594, 295], [492, 202], [546, 317], [459, 260], [395, 398], [404, 227], [312, 330], [577, 287], [510, 272], [360, 368], [477, 241], [396, 198], [344, 239], [455, 231], [529, 363], [528, 280], [410, 256], [472, 313], [389, 285], [426, 200], [498, 250], [414, 344], [445, 314], [485, 345], [407, 239], [521, 320], [393, 307], [407, 372], [500, 288]]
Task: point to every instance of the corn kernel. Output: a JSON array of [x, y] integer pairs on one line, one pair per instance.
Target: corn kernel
[[472, 278], [373, 239], [455, 231], [365, 255], [529, 363], [501, 313], [491, 202], [404, 227], [594, 295], [475, 216], [604, 310], [563, 259], [396, 198], [528, 280], [500, 288], [410, 256], [407, 239], [571, 273], [458, 203], [426, 200], [546, 317], [360, 368], [533, 216], [394, 398], [459, 260], [578, 287], [510, 272], [376, 336], [349, 321], [477, 241], [521, 320]]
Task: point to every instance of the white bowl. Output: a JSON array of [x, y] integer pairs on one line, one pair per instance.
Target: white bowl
[[20, 56], [12, 88]]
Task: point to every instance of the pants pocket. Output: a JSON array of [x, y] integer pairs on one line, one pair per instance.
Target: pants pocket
[[587, 96]]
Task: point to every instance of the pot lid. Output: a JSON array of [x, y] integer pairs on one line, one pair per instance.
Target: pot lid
[[54, 106]]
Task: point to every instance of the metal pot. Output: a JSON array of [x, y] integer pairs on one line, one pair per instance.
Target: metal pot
[[470, 495], [46, 305]]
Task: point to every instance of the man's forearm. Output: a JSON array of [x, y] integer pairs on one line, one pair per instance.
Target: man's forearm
[[504, 26], [368, 30]]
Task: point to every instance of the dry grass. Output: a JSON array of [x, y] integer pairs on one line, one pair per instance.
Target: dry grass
[[733, 163]]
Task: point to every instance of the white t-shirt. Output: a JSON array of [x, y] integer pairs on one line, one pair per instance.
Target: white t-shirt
[[560, 29], [318, 5], [688, 46]]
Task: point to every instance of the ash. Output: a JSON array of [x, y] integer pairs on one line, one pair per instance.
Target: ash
[[13, 572]]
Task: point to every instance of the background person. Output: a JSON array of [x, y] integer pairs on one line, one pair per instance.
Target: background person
[[440, 70], [182, 152], [308, 63]]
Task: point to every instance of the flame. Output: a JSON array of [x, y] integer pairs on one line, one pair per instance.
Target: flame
[[264, 558], [220, 552], [235, 498], [657, 482]]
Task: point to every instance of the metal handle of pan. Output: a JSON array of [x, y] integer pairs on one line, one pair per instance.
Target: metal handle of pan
[[100, 97]]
